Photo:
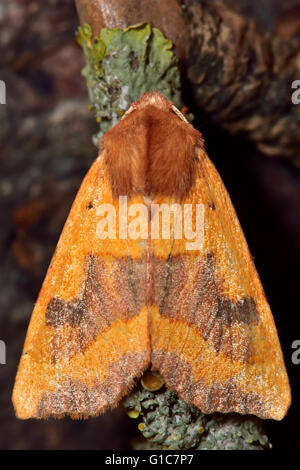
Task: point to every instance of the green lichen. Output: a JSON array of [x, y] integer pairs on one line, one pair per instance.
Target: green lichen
[[166, 422], [123, 64], [233, 432]]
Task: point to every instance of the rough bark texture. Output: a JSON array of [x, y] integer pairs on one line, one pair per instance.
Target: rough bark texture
[[242, 78]]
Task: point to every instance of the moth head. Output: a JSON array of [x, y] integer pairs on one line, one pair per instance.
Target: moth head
[[156, 99]]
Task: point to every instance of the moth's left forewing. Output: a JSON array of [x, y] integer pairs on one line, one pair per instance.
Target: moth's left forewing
[[88, 336], [213, 335]]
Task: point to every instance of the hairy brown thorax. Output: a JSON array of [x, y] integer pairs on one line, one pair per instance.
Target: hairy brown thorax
[[152, 150]]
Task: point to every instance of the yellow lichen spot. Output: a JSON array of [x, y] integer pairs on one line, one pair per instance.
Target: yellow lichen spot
[[133, 413], [141, 426], [152, 381], [98, 118], [201, 430]]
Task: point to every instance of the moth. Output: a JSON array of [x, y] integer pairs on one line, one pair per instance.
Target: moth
[[131, 288]]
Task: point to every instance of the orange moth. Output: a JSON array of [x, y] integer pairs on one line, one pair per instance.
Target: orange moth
[[152, 271]]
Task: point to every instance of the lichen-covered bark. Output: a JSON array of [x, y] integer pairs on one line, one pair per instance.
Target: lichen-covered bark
[[166, 422], [121, 65], [166, 15]]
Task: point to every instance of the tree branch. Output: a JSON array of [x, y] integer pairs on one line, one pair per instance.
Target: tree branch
[[242, 78]]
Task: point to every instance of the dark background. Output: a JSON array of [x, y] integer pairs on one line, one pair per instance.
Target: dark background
[[45, 135]]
